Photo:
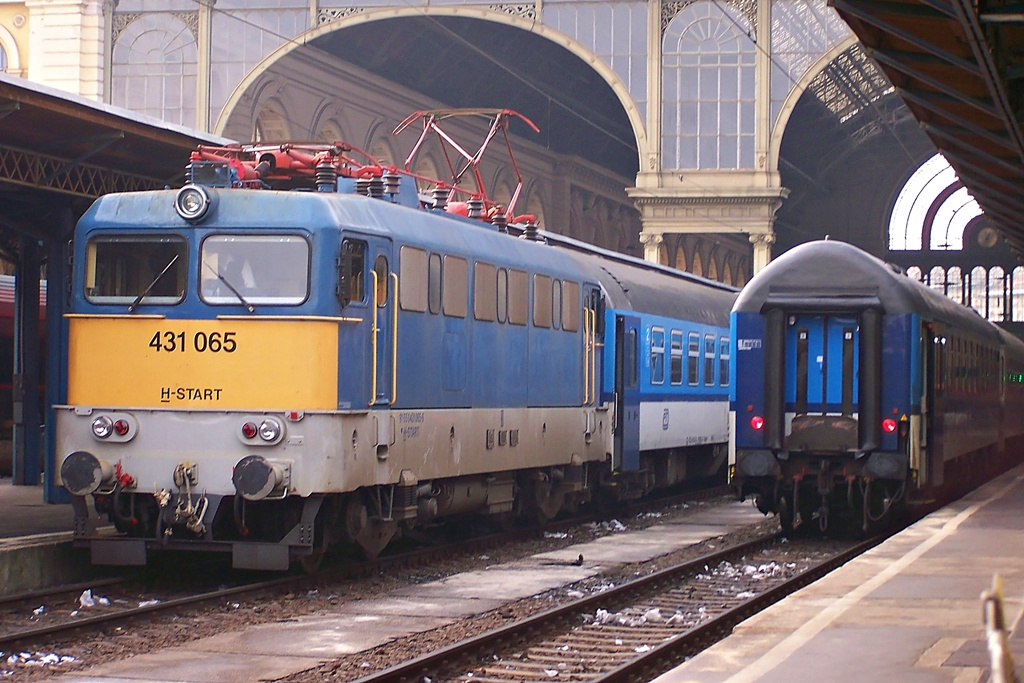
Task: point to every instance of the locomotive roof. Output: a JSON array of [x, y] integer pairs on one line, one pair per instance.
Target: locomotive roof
[[827, 275]]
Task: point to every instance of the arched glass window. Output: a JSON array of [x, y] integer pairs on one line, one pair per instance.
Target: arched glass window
[[955, 284], [932, 204], [153, 69], [708, 89], [1017, 295], [727, 274], [3, 58], [996, 294], [914, 273], [979, 290], [937, 279], [698, 265]]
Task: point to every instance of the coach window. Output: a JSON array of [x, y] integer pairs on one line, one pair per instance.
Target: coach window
[[502, 295], [556, 304], [541, 301], [351, 281], [434, 283], [412, 295], [709, 359], [136, 270], [380, 267], [259, 269], [570, 306], [455, 287], [518, 297], [485, 292], [693, 357], [723, 361], [657, 355], [675, 373]]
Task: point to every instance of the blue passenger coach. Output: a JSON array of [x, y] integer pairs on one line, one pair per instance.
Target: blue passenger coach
[[269, 363], [858, 389]]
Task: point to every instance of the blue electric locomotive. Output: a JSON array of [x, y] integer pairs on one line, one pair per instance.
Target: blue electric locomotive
[[271, 372], [858, 390]]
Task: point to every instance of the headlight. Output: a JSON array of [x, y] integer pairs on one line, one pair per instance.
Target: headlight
[[102, 426], [192, 202], [270, 430]]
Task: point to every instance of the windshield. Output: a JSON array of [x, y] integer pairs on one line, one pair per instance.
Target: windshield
[[136, 269], [254, 269]]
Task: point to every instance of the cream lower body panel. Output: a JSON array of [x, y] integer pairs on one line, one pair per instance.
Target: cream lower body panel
[[679, 424], [338, 452]]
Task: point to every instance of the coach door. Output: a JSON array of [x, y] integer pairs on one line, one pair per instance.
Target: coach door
[[823, 357], [383, 333], [627, 393]]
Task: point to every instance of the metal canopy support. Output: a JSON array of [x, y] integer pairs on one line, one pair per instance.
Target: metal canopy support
[[57, 276], [28, 462]]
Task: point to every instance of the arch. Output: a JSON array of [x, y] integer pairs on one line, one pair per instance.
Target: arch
[[10, 61], [680, 262], [698, 264], [979, 290], [1017, 295], [535, 207], [599, 66], [933, 197], [996, 294], [272, 123], [914, 273], [955, 284], [798, 89]]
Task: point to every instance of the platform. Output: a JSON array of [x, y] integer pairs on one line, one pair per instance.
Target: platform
[[908, 610], [35, 541]]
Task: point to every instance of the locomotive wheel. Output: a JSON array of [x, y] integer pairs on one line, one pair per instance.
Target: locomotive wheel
[[372, 535], [311, 563]]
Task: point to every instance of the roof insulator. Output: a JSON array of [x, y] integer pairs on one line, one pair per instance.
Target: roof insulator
[[326, 177], [391, 183], [440, 195], [363, 186], [475, 205], [530, 233], [500, 222], [377, 187]]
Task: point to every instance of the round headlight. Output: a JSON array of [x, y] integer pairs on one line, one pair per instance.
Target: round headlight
[[192, 202], [270, 430], [102, 426]]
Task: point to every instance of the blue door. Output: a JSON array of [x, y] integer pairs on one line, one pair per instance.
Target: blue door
[[627, 393], [822, 364], [383, 298]]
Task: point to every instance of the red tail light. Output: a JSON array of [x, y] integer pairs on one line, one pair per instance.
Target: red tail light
[[249, 430], [757, 422], [888, 425], [121, 427]]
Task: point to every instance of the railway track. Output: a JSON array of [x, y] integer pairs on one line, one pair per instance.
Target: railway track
[[639, 629], [62, 616]]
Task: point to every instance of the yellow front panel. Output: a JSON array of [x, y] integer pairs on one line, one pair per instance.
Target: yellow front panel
[[219, 364]]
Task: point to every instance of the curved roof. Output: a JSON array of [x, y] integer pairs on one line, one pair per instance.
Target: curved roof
[[827, 275], [957, 64]]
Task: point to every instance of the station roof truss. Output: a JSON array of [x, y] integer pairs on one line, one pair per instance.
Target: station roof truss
[[959, 67], [57, 145]]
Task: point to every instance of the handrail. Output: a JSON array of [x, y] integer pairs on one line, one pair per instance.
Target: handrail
[[586, 356], [373, 343], [394, 342]]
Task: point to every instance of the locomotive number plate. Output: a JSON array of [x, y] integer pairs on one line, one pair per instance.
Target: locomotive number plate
[[219, 364]]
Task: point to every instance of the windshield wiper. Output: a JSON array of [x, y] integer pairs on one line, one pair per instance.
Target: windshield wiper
[[248, 306], [140, 297]]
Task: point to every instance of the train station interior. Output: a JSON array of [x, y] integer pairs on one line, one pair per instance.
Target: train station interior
[[668, 130]]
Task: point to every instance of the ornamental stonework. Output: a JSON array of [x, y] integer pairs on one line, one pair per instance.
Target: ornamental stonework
[[326, 16], [526, 11], [670, 8], [121, 20]]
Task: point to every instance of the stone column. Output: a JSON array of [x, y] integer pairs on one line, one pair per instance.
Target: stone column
[[652, 246], [66, 45], [762, 249]]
